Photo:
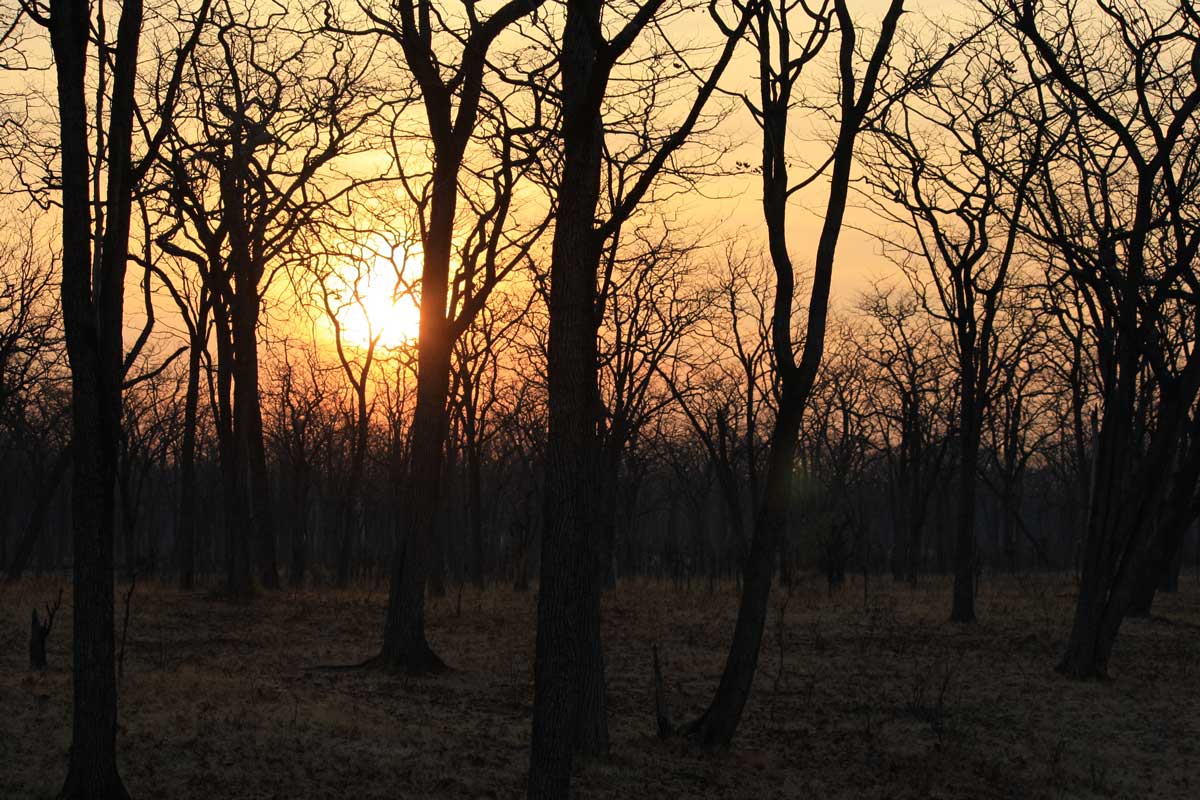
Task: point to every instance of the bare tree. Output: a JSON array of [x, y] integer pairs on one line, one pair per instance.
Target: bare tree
[[33, 380], [1116, 211], [784, 49], [936, 165], [246, 173], [726, 393], [449, 55], [569, 703], [93, 283]]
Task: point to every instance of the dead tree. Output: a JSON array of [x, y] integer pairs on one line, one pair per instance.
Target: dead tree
[[39, 632]]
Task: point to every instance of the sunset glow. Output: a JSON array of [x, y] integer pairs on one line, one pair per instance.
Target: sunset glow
[[375, 307]]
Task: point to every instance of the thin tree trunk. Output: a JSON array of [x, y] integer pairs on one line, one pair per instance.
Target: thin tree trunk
[[963, 609], [475, 510], [186, 542], [37, 519], [715, 729]]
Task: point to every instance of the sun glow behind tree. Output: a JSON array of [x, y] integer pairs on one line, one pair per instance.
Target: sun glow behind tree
[[380, 311], [369, 298]]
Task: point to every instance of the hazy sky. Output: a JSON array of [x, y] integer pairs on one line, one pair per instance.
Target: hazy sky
[[730, 206]]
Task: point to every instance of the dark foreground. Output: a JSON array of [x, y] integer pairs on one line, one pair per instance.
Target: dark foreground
[[875, 697]]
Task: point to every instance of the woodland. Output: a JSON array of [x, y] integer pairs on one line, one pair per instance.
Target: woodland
[[599, 398]]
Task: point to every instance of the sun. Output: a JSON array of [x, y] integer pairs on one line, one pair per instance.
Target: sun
[[372, 305]]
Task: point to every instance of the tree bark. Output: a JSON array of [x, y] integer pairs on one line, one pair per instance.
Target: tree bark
[[92, 318], [247, 423], [716, 727], [405, 646], [568, 658], [239, 579]]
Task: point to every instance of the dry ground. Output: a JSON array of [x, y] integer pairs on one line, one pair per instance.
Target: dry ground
[[872, 696]]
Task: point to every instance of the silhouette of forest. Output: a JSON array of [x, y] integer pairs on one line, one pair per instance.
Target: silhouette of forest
[[599, 398]]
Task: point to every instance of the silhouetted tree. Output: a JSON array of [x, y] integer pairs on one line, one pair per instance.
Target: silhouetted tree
[[774, 34], [569, 712], [1116, 212]]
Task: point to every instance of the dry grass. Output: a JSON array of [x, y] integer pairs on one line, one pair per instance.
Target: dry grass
[[875, 697]]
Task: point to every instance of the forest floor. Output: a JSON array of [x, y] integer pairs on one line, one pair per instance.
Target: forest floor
[[858, 695]]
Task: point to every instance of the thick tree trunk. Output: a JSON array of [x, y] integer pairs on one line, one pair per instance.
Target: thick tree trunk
[[1170, 578], [568, 666], [405, 646], [248, 437], [239, 580], [1161, 568], [1087, 651], [243, 306], [92, 317], [1120, 541]]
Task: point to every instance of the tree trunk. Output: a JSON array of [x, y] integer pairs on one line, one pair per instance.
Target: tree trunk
[[1170, 527], [37, 519], [247, 271], [475, 510], [239, 580], [186, 542], [1119, 540], [37, 642], [300, 519], [568, 665], [248, 436], [963, 609], [715, 729], [717, 725], [92, 318], [405, 646]]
